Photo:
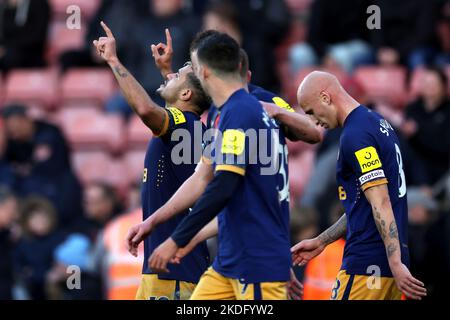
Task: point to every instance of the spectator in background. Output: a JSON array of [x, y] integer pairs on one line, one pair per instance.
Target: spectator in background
[[426, 127], [100, 206], [408, 32], [39, 156], [258, 26], [34, 252], [337, 34], [71, 256], [119, 15], [8, 216], [422, 212], [155, 16], [23, 33]]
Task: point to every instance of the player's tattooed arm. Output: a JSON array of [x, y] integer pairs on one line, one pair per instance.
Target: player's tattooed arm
[[150, 113], [378, 197], [335, 232], [297, 127]]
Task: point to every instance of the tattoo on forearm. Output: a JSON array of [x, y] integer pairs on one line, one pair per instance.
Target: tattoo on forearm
[[334, 232], [120, 73], [393, 233], [391, 247]]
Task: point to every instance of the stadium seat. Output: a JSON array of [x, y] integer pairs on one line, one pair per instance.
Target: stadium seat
[[87, 8], [134, 160], [89, 84], [94, 165], [62, 39], [383, 85], [138, 133], [90, 129], [299, 6], [300, 169], [36, 86]]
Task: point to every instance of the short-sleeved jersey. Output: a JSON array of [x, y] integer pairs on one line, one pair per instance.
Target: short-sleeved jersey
[[253, 239], [163, 175], [369, 155]]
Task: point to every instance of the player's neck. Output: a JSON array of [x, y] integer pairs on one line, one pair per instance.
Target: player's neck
[[185, 106], [347, 106], [223, 89]]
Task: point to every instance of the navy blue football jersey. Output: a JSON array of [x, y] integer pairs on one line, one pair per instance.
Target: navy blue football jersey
[[369, 155], [253, 239], [162, 178]]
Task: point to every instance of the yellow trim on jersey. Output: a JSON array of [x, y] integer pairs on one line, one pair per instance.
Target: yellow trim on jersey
[[368, 159], [178, 116], [282, 104], [371, 184], [165, 126], [231, 168]]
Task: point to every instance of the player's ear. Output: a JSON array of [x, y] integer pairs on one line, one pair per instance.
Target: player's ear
[[325, 97], [249, 76], [185, 94]]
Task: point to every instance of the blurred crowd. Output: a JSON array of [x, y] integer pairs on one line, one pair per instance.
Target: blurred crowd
[[55, 214]]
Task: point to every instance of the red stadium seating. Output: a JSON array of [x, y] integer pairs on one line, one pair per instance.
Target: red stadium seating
[[93, 166], [87, 7], [90, 129], [134, 160], [93, 85], [138, 133], [300, 169], [62, 39], [383, 85], [299, 6], [37, 87]]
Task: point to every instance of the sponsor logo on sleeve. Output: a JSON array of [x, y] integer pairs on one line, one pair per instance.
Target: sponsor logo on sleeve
[[282, 104], [371, 176], [233, 141], [368, 159], [178, 116]]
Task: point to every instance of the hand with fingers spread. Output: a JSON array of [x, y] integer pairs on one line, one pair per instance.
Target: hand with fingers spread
[[410, 286], [162, 255], [136, 235], [106, 46], [295, 288], [305, 250], [163, 53]]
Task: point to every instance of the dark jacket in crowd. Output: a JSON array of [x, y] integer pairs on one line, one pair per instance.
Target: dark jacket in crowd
[[6, 265], [33, 259], [406, 25], [331, 22], [431, 143], [23, 34]]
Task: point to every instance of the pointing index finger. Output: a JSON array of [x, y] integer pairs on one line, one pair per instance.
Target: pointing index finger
[[168, 38], [107, 30]]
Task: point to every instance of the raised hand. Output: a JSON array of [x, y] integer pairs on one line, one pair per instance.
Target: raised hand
[[106, 46], [163, 53]]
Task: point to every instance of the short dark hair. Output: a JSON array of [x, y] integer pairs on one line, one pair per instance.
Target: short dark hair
[[199, 37], [200, 99], [220, 52], [244, 63], [14, 109]]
